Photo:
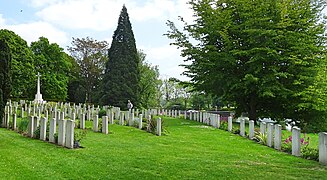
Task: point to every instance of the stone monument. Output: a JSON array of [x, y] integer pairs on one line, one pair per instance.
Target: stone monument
[[38, 95]]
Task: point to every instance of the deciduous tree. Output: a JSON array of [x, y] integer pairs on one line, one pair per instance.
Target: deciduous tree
[[91, 57], [264, 56]]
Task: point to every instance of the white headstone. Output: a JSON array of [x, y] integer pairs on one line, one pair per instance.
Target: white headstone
[[251, 129], [278, 137], [52, 130], [230, 123], [323, 148], [159, 126], [95, 123], [105, 124], [296, 141], [69, 141], [43, 128], [140, 121], [270, 134]]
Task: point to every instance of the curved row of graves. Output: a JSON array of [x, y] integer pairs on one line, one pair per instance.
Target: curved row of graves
[[272, 131]]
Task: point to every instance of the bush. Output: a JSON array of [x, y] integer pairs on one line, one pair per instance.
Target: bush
[[261, 138], [224, 125], [37, 133], [309, 153], [23, 125], [78, 136], [236, 131], [102, 113]]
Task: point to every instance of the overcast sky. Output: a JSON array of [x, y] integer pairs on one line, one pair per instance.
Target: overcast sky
[[60, 20]]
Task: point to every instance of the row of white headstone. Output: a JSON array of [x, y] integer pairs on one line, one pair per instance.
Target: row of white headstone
[[273, 132]]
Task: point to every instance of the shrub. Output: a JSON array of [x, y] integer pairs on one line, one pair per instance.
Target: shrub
[[236, 131], [224, 125], [37, 133], [23, 125], [55, 135], [102, 113], [261, 138], [78, 136], [309, 153]]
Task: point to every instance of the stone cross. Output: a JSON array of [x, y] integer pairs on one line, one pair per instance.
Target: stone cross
[[38, 95]]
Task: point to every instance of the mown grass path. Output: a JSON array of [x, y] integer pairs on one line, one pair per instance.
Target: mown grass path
[[190, 151]]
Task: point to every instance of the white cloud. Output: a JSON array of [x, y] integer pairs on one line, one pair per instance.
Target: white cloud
[[167, 58], [96, 15], [32, 31], [101, 15]]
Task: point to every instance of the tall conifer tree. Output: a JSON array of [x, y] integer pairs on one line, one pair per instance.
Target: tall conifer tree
[[5, 78], [121, 77]]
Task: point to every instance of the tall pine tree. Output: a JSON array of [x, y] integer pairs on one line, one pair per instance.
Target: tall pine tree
[[121, 79], [5, 78]]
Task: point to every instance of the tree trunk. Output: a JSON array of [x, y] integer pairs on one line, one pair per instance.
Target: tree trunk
[[253, 110]]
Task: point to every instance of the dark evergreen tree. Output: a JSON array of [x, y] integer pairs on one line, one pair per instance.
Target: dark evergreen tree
[[5, 77], [121, 79]]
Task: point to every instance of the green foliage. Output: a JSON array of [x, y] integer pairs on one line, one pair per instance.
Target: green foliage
[[53, 64], [79, 134], [5, 76], [22, 65], [90, 57], [308, 152], [23, 125], [37, 132], [149, 93], [102, 112], [121, 79], [55, 135], [224, 125], [261, 138], [254, 52]]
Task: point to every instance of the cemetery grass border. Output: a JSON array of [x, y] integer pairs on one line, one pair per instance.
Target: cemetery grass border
[[190, 151]]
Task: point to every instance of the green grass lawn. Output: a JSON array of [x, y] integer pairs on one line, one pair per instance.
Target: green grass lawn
[[190, 151]]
